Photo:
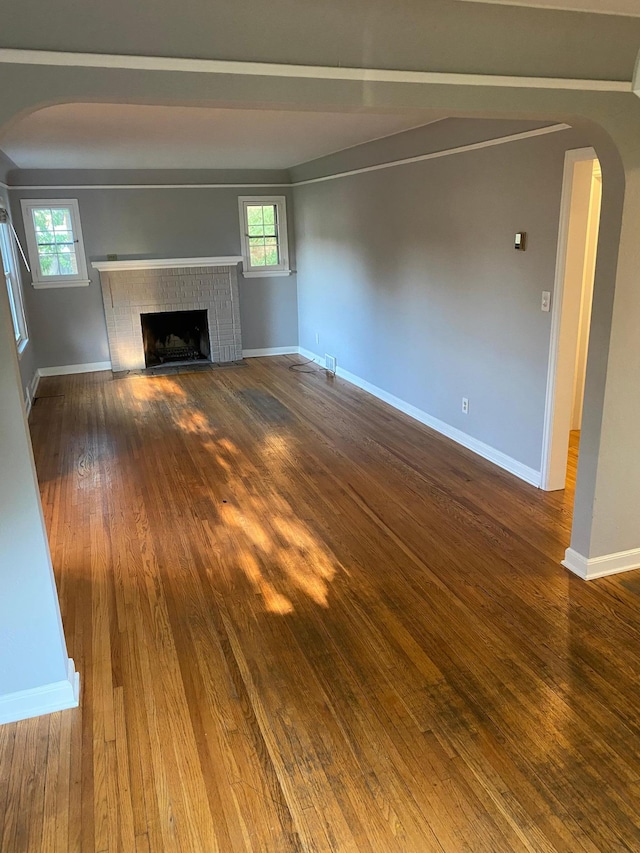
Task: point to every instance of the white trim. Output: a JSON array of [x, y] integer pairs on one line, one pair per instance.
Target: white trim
[[524, 472], [561, 7], [17, 56], [373, 139], [461, 149], [260, 353], [39, 280], [590, 568], [265, 274], [553, 463], [67, 369], [30, 392], [167, 263], [36, 701], [41, 285], [141, 186]]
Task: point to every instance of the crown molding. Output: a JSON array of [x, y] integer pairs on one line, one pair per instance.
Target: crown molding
[[447, 152], [67, 59], [563, 6]]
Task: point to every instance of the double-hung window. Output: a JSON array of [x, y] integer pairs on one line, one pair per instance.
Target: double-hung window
[[263, 224], [14, 285], [54, 241]]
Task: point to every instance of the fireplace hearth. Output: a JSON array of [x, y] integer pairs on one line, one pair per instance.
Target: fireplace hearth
[[175, 337]]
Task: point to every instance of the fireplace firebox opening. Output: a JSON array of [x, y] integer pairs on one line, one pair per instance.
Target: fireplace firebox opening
[[175, 336]]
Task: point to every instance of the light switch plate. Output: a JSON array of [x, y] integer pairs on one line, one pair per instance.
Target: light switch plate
[[546, 301], [520, 242]]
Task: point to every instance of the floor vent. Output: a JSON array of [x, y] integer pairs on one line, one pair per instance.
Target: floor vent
[[330, 362]]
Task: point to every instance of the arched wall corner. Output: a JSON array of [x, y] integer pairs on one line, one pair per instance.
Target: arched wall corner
[[611, 118]]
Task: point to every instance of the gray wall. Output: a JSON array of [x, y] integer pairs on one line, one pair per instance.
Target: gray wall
[[67, 325], [32, 648], [410, 278]]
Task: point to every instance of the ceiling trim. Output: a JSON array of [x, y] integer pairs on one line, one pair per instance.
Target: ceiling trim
[[446, 152], [559, 7], [317, 72], [192, 186]]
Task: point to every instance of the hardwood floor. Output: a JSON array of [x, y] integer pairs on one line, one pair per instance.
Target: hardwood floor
[[305, 622]]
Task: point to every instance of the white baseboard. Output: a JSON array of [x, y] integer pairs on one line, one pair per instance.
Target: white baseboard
[[30, 392], [42, 700], [257, 353], [67, 369], [524, 472], [590, 568]]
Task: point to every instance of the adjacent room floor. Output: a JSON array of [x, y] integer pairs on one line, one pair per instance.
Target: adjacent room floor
[[304, 621]]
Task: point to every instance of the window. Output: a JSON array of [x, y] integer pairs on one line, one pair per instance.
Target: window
[[263, 223], [54, 241], [14, 285]]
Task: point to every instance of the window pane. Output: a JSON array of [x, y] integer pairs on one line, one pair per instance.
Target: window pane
[[262, 238], [55, 240], [269, 214], [12, 306], [254, 214], [67, 264], [49, 265], [42, 219], [43, 236], [61, 218]]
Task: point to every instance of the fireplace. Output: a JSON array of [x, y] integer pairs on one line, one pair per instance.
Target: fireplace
[[160, 286], [171, 337]]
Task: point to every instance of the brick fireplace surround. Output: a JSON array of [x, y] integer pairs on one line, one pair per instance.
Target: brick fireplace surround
[[132, 288]]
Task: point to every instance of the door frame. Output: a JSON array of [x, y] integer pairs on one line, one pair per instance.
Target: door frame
[[562, 358]]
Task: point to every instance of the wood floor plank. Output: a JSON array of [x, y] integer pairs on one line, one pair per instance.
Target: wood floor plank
[[305, 622]]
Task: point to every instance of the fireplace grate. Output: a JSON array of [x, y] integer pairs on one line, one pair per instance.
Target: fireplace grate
[[178, 353]]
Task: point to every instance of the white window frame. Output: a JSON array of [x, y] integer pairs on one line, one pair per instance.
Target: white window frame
[[283, 243], [11, 269], [81, 278]]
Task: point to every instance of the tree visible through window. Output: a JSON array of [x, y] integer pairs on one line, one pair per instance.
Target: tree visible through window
[[262, 222], [55, 240]]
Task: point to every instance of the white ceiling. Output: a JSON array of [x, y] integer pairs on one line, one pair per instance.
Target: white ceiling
[[127, 136], [604, 7]]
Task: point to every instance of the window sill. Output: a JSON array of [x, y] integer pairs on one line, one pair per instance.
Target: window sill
[[40, 285], [265, 273]]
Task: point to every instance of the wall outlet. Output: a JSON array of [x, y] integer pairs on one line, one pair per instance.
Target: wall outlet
[[465, 405], [330, 362], [317, 337], [546, 301]]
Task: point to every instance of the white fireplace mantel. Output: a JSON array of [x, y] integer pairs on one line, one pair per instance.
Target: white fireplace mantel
[[167, 263]]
